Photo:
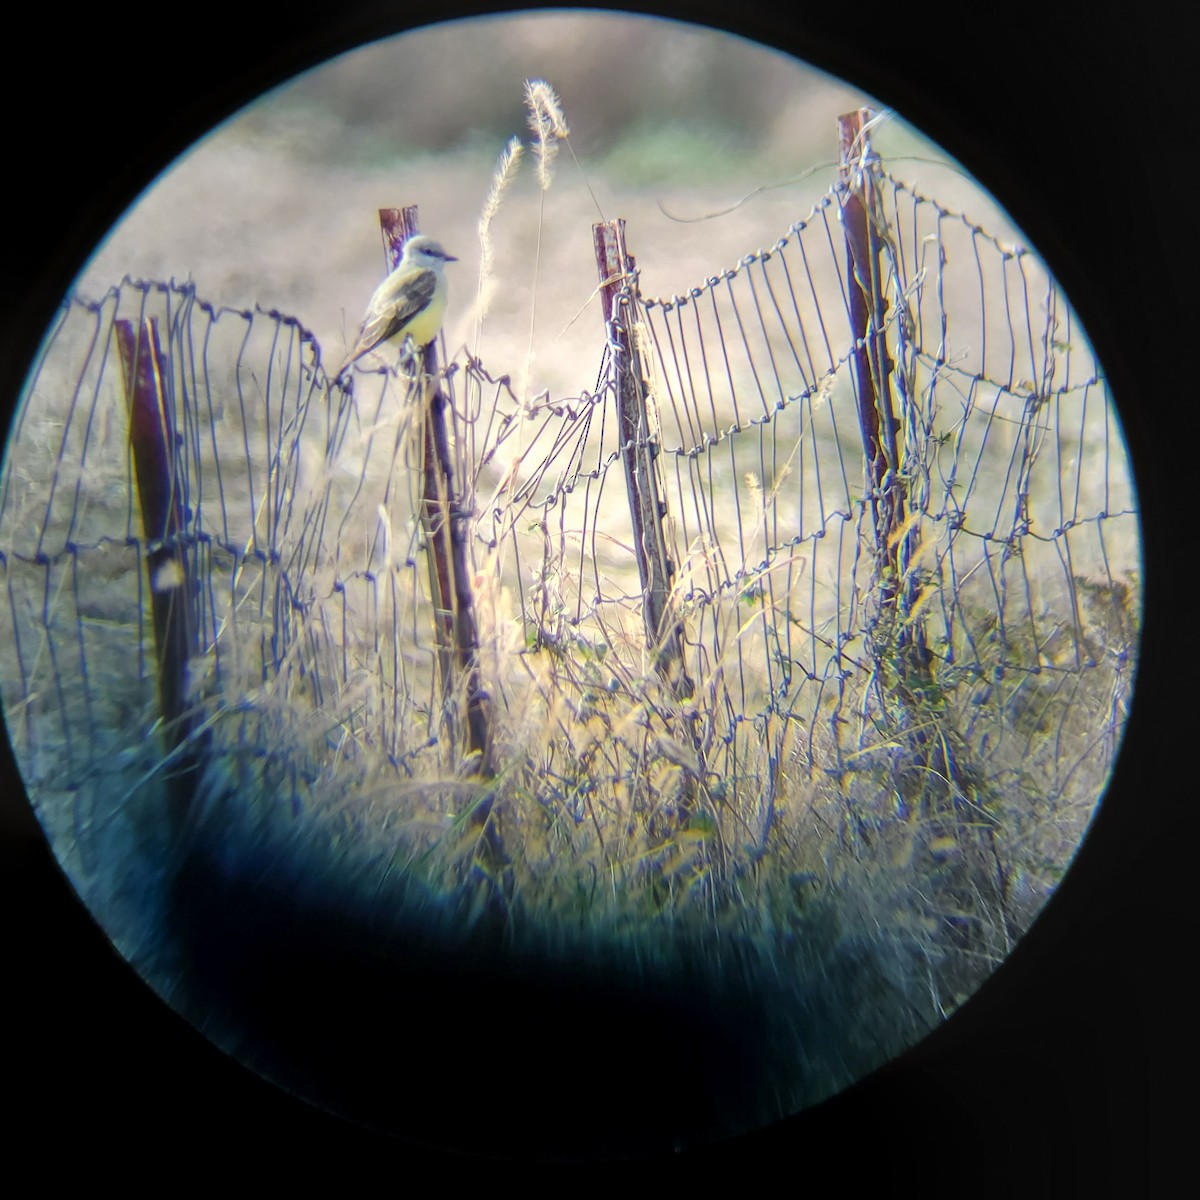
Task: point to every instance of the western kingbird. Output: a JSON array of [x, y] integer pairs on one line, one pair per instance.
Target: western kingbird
[[409, 303]]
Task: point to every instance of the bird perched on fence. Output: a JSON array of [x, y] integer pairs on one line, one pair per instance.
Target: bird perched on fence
[[409, 303]]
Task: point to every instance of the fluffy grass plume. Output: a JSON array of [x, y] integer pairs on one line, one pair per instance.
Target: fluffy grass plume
[[546, 121], [548, 125]]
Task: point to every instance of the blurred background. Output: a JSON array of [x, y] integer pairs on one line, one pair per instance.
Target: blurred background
[[671, 127]]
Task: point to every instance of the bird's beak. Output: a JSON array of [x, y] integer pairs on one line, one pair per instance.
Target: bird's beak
[[452, 258]]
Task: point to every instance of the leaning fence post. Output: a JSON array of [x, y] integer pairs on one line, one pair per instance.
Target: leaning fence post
[[638, 450], [873, 370], [444, 522], [154, 443], [873, 367], [868, 314]]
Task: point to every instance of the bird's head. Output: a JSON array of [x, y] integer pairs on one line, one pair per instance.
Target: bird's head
[[422, 251]]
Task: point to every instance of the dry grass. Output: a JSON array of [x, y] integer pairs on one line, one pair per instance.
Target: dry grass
[[829, 879]]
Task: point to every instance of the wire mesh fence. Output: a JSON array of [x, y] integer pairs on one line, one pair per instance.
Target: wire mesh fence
[[835, 565]]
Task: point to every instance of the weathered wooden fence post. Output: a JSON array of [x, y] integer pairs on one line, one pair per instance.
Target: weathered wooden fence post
[[647, 509], [873, 370], [868, 315], [445, 525], [156, 462]]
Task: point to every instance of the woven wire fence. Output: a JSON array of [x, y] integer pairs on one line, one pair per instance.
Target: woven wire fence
[[919, 644], [1020, 521]]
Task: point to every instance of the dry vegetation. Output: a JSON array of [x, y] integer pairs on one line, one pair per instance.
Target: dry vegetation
[[856, 867]]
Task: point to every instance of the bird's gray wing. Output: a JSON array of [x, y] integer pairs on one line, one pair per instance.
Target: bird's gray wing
[[412, 295]]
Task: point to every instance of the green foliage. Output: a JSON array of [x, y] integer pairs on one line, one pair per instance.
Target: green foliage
[[657, 151]]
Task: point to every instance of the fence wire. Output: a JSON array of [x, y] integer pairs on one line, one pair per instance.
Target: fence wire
[[1021, 505], [316, 667]]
